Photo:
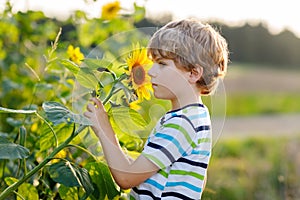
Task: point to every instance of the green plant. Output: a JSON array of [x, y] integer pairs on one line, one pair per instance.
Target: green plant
[[45, 147]]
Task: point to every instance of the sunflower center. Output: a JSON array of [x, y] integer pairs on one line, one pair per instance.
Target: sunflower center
[[112, 9], [138, 74]]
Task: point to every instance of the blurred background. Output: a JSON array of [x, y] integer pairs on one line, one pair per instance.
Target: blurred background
[[257, 154]]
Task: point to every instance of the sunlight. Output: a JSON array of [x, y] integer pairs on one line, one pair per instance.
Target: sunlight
[[277, 15]]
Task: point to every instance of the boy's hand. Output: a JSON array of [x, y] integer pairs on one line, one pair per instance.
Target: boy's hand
[[98, 116], [127, 173]]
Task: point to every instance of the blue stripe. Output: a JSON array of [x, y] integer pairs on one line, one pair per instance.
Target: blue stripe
[[202, 115], [184, 184], [155, 184], [205, 153], [173, 140]]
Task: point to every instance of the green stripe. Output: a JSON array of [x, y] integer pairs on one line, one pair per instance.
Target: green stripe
[[203, 140], [182, 172], [183, 131], [163, 173], [154, 159]]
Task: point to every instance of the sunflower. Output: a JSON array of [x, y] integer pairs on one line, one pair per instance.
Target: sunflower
[[110, 10], [138, 66], [74, 54]]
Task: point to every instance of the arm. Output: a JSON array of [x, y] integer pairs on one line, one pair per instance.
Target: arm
[[127, 173]]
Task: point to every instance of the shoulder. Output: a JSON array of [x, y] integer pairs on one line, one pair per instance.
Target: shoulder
[[193, 115]]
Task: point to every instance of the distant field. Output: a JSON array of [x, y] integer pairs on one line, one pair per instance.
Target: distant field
[[261, 79], [254, 168], [254, 90]]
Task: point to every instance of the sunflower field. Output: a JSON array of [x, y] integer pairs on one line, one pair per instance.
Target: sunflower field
[[49, 70]]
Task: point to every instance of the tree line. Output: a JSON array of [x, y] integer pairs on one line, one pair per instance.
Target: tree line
[[253, 43]]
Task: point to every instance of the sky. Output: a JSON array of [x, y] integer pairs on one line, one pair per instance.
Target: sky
[[277, 15]]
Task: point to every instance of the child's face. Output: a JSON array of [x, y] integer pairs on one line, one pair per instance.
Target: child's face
[[168, 81]]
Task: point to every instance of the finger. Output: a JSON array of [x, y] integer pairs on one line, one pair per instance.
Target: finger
[[87, 114], [97, 102], [90, 107]]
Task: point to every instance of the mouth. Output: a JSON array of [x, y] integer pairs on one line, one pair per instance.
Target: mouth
[[154, 85]]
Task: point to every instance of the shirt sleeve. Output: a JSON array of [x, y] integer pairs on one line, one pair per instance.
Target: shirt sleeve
[[170, 141]]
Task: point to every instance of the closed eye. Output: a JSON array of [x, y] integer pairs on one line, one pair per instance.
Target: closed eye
[[162, 63]]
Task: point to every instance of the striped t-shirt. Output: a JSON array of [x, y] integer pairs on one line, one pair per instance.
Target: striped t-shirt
[[180, 145]]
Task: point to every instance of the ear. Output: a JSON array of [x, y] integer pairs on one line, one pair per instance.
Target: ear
[[195, 74]]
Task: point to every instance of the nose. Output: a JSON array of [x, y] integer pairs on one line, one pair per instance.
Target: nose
[[152, 72]]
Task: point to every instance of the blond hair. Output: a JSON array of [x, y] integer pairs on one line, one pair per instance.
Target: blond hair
[[191, 44]]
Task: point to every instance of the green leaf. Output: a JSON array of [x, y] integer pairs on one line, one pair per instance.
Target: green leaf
[[130, 127], [9, 150], [70, 175], [107, 82], [58, 114], [95, 64], [47, 139], [64, 173], [8, 110], [10, 180], [127, 120], [86, 181], [68, 193], [128, 93], [13, 122], [87, 78], [102, 179], [139, 13], [73, 67], [106, 78], [26, 190]]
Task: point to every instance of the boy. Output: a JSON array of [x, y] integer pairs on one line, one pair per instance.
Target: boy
[[189, 58]]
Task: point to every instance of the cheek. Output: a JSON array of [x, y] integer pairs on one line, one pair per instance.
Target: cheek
[[173, 81]]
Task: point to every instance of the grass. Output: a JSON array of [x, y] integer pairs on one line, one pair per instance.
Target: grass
[[254, 104], [254, 168]]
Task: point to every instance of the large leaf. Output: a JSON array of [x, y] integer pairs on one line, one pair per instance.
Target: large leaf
[[102, 179], [96, 64], [87, 78], [58, 114], [9, 150], [127, 120], [130, 127], [47, 139], [64, 173], [71, 175]]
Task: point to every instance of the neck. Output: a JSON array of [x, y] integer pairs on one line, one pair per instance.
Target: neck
[[179, 103]]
